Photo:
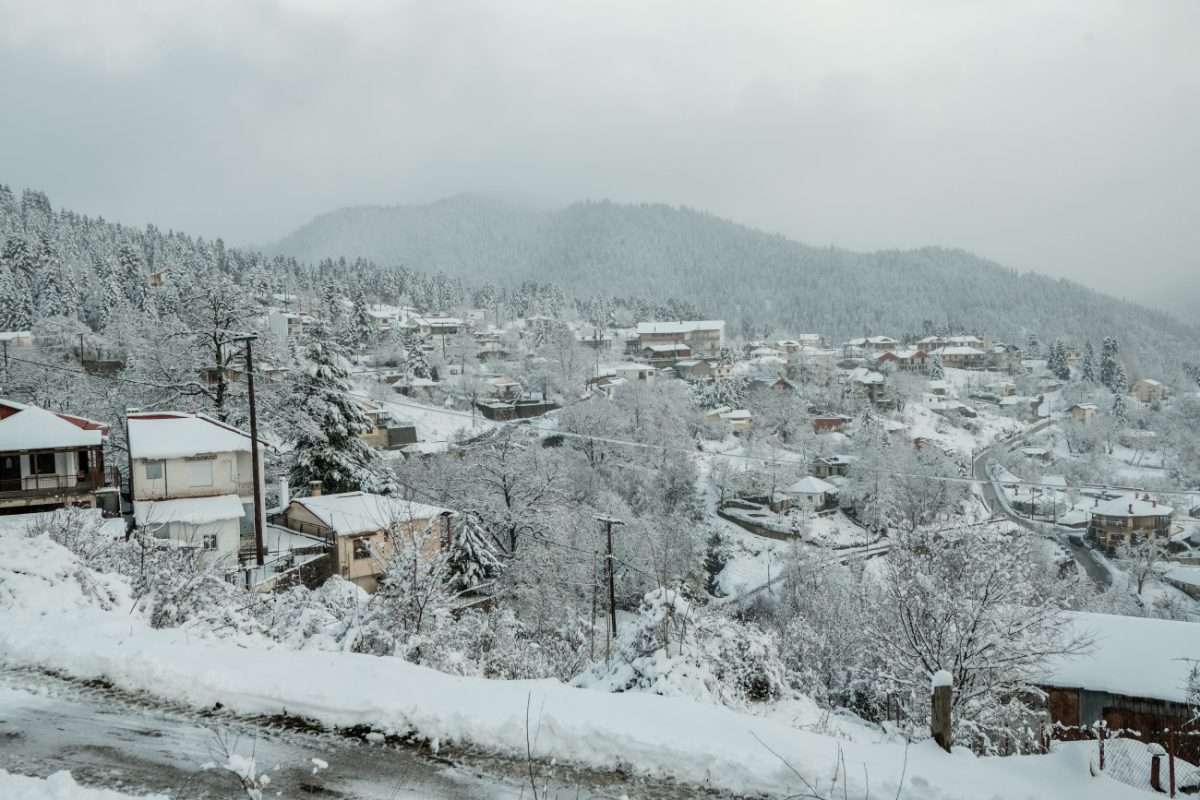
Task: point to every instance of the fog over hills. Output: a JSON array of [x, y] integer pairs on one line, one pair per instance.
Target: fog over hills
[[733, 271]]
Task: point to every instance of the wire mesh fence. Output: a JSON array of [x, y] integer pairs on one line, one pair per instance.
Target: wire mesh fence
[[1156, 761]]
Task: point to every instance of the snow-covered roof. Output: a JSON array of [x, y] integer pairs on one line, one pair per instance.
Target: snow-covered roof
[[1189, 576], [871, 340], [691, 362], [939, 384], [683, 326], [810, 485], [31, 428], [864, 375], [11, 336], [1058, 481], [1132, 656], [667, 348], [352, 513], [190, 510], [957, 351], [175, 434], [1128, 505], [1147, 381]]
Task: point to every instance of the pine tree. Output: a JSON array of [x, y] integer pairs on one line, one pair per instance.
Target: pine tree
[[936, 371], [1088, 373], [416, 363], [1108, 362], [472, 561], [358, 329], [328, 423], [1118, 409], [1057, 364], [715, 559]]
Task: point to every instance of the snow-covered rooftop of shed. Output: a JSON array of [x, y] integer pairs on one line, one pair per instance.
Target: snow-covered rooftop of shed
[[1132, 656], [352, 513], [189, 510], [173, 434], [33, 428], [810, 485]]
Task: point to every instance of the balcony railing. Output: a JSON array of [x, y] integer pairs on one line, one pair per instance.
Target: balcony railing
[[47, 485]]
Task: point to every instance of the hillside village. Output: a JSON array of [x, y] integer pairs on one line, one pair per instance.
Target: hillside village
[[512, 484]]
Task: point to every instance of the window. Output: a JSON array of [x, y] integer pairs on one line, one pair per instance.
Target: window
[[154, 470], [201, 473], [210, 541], [45, 464], [362, 548]]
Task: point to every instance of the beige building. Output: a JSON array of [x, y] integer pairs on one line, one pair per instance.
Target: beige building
[[1148, 391], [365, 530], [1127, 520], [704, 337], [1084, 412], [50, 460], [191, 479]]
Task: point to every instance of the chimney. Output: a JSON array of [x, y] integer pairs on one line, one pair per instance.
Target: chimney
[[1096, 503], [1154, 504], [1130, 505], [285, 494], [314, 489]]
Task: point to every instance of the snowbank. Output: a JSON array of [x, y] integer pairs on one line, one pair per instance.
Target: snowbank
[[82, 636], [59, 786]]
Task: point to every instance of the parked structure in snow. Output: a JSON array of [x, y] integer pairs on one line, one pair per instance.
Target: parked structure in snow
[[191, 479], [365, 530], [1148, 390], [386, 433], [50, 460], [1084, 412]]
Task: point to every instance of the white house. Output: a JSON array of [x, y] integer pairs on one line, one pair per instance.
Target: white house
[[191, 479], [810, 492]]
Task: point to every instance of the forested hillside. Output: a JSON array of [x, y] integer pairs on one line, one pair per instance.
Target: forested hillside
[[731, 271]]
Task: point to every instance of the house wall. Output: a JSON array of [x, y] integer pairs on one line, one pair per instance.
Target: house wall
[[231, 474], [227, 531]]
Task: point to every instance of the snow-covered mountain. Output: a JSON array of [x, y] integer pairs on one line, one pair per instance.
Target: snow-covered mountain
[[733, 271]]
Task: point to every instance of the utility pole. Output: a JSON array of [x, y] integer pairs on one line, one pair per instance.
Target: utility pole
[[259, 549], [612, 590], [81, 356]]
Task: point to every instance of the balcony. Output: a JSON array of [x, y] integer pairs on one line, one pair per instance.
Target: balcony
[[48, 486]]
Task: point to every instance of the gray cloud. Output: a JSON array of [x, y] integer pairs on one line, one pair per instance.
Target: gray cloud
[[1053, 136]]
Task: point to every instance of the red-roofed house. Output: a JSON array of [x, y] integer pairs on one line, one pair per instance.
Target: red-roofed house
[[50, 460]]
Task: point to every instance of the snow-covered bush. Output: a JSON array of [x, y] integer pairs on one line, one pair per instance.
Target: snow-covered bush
[[676, 648]]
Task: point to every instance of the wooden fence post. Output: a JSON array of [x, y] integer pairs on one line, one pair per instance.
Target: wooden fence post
[[940, 722], [1171, 758], [1103, 726]]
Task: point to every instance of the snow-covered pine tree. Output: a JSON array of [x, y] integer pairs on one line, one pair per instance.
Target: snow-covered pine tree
[[1088, 371], [715, 559], [1108, 362], [472, 561], [416, 363], [357, 329], [1120, 412], [328, 421], [936, 371], [1057, 364]]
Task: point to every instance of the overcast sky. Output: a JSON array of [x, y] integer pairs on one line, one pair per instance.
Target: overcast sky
[[1061, 137]]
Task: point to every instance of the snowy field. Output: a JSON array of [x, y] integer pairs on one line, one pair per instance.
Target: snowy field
[[59, 616]]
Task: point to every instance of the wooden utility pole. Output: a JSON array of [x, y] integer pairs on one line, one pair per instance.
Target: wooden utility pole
[[940, 721], [259, 548], [612, 590]]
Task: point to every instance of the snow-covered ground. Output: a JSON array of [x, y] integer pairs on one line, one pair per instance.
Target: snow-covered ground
[[59, 616]]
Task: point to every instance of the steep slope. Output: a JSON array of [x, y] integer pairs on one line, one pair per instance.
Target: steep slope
[[733, 271]]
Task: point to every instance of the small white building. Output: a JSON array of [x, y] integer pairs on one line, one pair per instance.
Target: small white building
[[191, 479]]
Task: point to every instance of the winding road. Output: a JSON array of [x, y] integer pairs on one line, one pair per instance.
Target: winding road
[[1070, 539]]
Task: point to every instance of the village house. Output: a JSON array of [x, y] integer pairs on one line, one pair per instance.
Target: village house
[[867, 384], [17, 339], [829, 423], [785, 347], [50, 461], [869, 344], [503, 387], [1084, 412], [1128, 519], [738, 419], [1133, 676], [931, 343], [809, 493], [772, 385], [830, 466], [904, 360], [635, 372], [1148, 391], [191, 479], [665, 355], [364, 530], [290, 326], [704, 337], [1006, 357], [606, 385], [386, 433], [814, 356], [960, 356]]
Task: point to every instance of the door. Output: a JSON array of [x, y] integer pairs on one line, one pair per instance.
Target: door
[[10, 473]]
